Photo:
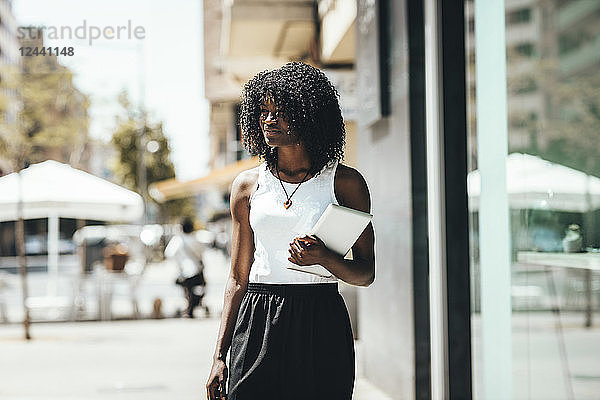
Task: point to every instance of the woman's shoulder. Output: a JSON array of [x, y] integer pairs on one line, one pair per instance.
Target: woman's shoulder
[[350, 185], [348, 175], [241, 189], [245, 181]]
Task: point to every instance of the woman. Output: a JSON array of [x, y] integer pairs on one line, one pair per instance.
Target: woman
[[289, 331]]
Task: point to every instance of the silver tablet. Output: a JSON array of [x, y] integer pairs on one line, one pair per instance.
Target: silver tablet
[[339, 228]]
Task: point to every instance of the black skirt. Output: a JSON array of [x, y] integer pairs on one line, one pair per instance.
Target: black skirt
[[292, 342]]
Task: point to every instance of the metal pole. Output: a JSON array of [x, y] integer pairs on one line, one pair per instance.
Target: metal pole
[[588, 298], [435, 204], [588, 240], [141, 144], [141, 167], [20, 239], [53, 238], [562, 348]]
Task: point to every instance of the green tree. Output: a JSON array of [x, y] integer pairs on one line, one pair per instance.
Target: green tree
[[14, 147], [156, 159], [52, 115]]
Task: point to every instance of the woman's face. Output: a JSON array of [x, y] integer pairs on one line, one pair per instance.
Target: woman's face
[[274, 125]]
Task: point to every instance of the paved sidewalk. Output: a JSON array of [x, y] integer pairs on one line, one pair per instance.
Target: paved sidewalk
[[125, 360]]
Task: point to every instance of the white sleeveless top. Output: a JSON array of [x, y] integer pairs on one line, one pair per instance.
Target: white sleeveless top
[[275, 226]]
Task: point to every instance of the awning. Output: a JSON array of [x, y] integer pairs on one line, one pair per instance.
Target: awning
[[217, 179], [535, 183], [50, 188]]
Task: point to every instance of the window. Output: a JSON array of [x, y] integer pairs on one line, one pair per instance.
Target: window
[[472, 92], [472, 58], [571, 41], [544, 215], [521, 16], [523, 85], [522, 120], [525, 49]]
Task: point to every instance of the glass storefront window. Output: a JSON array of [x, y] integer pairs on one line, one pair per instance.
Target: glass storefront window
[[552, 168]]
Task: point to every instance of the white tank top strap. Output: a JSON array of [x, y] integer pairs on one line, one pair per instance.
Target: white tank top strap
[[259, 181], [332, 172]]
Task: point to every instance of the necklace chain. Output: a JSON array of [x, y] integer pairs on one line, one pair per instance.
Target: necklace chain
[[287, 204]]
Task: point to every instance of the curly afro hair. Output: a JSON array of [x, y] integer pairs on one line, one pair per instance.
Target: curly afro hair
[[309, 102]]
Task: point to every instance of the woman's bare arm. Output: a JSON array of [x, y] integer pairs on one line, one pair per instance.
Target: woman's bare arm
[[242, 252]]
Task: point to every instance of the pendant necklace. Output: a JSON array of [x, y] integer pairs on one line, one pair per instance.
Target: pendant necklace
[[288, 203]]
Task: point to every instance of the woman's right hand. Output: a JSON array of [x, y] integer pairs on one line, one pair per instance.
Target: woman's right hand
[[215, 387]]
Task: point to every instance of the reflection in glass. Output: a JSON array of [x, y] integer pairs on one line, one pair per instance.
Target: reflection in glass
[[553, 102]]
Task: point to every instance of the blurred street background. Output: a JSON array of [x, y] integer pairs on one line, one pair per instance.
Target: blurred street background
[[119, 141], [158, 282]]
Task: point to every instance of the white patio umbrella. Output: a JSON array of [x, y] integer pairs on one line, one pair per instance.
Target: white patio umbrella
[[534, 183], [51, 187], [52, 190]]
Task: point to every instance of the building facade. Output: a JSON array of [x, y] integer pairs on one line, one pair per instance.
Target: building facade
[[546, 41], [240, 41]]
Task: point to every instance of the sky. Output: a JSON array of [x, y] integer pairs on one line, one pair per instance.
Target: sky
[[163, 71]]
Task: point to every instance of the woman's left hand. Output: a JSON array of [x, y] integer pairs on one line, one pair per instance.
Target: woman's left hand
[[308, 250]]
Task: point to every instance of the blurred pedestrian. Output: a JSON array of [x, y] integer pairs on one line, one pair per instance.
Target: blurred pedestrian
[[187, 253], [288, 331]]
